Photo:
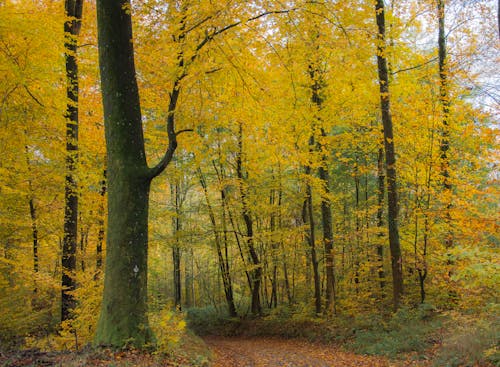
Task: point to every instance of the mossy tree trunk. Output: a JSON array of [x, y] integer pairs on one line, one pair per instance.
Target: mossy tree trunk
[[123, 319]]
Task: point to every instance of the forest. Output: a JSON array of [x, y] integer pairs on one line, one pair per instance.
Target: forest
[[261, 183]]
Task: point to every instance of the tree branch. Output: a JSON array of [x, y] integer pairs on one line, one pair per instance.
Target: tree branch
[[174, 95], [183, 131], [32, 96], [210, 36], [415, 67]]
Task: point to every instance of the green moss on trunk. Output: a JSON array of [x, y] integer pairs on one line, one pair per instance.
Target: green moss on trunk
[[123, 319]]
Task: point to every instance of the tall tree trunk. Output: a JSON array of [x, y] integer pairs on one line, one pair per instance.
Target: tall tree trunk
[[223, 262], [34, 231], [308, 217], [422, 269], [72, 25], [445, 128], [247, 218], [33, 216], [317, 86], [84, 241], [357, 252], [100, 234], [176, 259], [188, 279], [176, 251], [326, 217], [380, 217], [123, 319], [274, 249], [390, 158]]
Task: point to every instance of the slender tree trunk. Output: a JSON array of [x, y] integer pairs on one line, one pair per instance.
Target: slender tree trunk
[[422, 269], [33, 216], [390, 158], [326, 215], [308, 217], [176, 251], [317, 85], [445, 128], [247, 218], [274, 249], [100, 234], [358, 227], [72, 25], [326, 211], [380, 218], [34, 231], [286, 277], [223, 262], [188, 279], [176, 259], [84, 240]]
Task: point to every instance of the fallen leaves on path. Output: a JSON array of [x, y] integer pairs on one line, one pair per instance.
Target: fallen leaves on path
[[274, 352]]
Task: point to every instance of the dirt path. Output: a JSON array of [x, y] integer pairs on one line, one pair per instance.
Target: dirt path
[[271, 352]]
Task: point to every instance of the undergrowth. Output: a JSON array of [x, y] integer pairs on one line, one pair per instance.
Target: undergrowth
[[470, 341], [408, 330]]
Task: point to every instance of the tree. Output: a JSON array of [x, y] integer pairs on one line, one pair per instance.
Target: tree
[[72, 26], [123, 317], [390, 157], [247, 217], [444, 99]]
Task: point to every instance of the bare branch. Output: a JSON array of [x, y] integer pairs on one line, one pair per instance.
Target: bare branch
[[183, 131], [210, 36], [415, 67], [32, 96]]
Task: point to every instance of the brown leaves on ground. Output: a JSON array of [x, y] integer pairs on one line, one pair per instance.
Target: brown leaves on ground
[[101, 358], [275, 352], [227, 352]]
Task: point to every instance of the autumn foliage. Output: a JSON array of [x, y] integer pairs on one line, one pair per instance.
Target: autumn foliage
[[279, 123]]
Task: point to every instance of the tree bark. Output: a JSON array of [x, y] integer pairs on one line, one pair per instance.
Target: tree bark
[[188, 279], [123, 319], [380, 218], [34, 228], [223, 262], [247, 218], [176, 259], [326, 211], [326, 217], [72, 25], [100, 234], [390, 158], [308, 217], [176, 251], [445, 129]]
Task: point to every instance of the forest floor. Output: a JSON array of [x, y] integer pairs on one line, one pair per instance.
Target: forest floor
[[225, 352], [278, 352]]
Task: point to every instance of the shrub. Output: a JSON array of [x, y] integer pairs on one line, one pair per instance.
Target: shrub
[[408, 330], [471, 342], [169, 328], [208, 320]]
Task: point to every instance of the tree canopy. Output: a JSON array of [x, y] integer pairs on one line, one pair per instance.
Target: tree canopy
[[245, 158]]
